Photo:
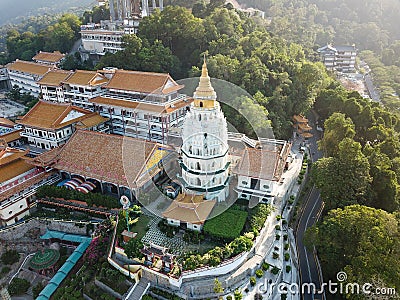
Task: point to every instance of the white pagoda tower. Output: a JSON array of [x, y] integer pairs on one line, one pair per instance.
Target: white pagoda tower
[[205, 144]]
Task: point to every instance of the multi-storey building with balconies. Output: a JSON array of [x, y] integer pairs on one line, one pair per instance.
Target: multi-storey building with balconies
[[339, 58], [81, 86], [51, 85], [26, 75], [142, 104], [49, 125], [18, 183]]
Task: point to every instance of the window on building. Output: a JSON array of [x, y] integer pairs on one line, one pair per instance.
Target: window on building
[[244, 182]]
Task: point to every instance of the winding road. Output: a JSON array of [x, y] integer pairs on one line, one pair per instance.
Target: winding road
[[309, 268]]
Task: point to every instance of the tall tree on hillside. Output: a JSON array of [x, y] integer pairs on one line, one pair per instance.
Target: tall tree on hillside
[[343, 179], [337, 128], [363, 241]]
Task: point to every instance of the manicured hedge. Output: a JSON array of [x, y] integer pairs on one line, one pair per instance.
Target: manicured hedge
[[50, 191], [227, 225]]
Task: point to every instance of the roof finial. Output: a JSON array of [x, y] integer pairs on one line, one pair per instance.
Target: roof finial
[[204, 70]]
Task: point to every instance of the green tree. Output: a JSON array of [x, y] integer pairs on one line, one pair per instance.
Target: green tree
[[343, 179], [361, 240], [18, 286], [133, 247], [337, 128]]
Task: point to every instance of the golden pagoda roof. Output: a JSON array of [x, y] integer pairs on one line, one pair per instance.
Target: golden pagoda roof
[[205, 90]]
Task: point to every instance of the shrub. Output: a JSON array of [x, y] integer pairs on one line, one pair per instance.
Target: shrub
[[288, 269], [5, 270], [9, 257], [286, 247], [287, 256], [275, 270], [18, 286], [252, 281], [278, 217], [227, 225], [285, 237], [277, 227], [284, 222], [275, 255], [259, 273], [238, 295], [265, 266], [259, 215], [277, 237], [229, 297]]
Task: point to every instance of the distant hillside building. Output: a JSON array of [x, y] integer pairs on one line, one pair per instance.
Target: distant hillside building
[[339, 58], [106, 37]]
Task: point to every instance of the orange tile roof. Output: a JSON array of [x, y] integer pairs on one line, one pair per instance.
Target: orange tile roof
[[300, 119], [143, 82], [52, 57], [92, 120], [11, 136], [22, 186], [90, 78], [8, 154], [189, 208], [51, 115], [107, 157], [7, 122], [263, 163], [166, 108], [54, 77], [12, 163], [29, 67], [304, 126]]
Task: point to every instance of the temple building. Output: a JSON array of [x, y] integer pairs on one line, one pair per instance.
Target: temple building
[[205, 165], [49, 125], [26, 75], [143, 105], [189, 210], [114, 164], [9, 134], [259, 172], [49, 58], [18, 183], [81, 86], [51, 85]]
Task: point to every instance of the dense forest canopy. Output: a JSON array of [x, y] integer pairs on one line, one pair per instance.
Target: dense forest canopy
[[371, 24]]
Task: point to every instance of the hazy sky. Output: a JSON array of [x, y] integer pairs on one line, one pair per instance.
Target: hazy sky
[[10, 9]]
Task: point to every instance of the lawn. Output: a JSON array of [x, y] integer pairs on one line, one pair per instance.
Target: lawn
[[141, 226], [227, 225]]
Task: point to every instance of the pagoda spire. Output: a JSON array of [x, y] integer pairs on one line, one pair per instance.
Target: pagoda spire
[[205, 94]]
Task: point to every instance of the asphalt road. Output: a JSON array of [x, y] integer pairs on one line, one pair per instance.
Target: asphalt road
[[312, 207]]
